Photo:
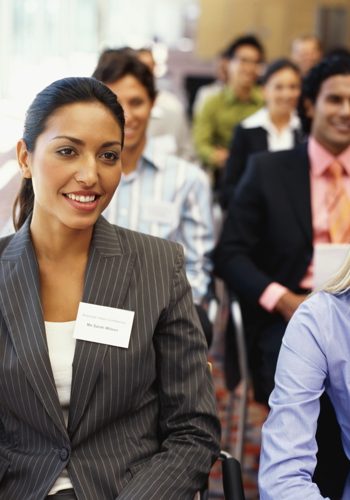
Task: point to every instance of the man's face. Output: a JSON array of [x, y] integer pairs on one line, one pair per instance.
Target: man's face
[[330, 114], [244, 67], [137, 105], [306, 53]]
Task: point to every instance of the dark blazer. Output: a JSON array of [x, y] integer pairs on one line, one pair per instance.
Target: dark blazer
[[245, 142], [266, 237], [142, 420]]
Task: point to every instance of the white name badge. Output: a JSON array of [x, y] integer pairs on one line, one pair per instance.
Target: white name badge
[[162, 212], [105, 325]]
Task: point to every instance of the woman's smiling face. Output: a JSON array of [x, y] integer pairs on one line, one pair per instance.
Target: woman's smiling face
[[75, 166], [282, 91]]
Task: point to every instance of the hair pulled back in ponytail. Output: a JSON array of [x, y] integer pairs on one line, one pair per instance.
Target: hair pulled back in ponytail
[[60, 93]]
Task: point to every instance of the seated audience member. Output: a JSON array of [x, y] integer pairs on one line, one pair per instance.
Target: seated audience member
[[213, 125], [283, 205], [314, 358], [168, 116], [274, 127], [87, 414], [306, 51], [159, 194]]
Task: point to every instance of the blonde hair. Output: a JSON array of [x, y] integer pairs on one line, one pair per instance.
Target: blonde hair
[[340, 281]]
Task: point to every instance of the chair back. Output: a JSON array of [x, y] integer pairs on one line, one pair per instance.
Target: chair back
[[232, 479]]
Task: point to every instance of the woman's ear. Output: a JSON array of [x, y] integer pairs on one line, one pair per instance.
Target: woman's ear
[[23, 159]]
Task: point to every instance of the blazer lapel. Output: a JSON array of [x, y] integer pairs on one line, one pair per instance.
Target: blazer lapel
[[299, 137], [297, 181], [106, 283], [21, 308], [259, 139]]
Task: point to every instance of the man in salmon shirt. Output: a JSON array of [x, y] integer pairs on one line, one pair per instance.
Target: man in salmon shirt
[[278, 213]]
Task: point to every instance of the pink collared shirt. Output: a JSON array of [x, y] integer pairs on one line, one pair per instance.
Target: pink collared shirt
[[320, 158]]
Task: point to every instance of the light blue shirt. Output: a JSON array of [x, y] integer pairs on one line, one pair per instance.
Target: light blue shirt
[[314, 357], [168, 197]]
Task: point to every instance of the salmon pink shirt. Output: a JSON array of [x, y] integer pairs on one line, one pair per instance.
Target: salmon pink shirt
[[320, 159]]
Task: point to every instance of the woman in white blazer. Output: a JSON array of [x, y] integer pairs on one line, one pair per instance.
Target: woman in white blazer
[[104, 386]]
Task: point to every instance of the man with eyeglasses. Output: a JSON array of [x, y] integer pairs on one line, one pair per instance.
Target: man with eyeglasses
[[214, 125]]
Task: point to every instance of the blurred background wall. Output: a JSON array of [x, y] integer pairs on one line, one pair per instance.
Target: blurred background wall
[[277, 22], [42, 40]]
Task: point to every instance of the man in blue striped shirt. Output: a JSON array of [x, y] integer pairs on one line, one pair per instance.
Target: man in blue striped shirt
[[159, 194]]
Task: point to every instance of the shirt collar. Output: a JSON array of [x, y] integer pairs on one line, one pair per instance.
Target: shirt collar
[[321, 158], [157, 150], [147, 160], [295, 121], [262, 119]]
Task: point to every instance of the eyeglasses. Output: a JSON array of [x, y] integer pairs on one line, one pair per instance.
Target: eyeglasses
[[246, 60]]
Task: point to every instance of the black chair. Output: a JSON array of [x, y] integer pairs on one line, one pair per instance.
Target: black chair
[[191, 85], [231, 479], [240, 356], [242, 359]]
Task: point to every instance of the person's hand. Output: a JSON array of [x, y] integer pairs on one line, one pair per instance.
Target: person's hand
[[219, 157], [288, 304]]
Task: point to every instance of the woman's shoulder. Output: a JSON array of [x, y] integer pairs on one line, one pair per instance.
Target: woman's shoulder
[[258, 119], [317, 322], [110, 240], [323, 311], [151, 252], [146, 243], [4, 242], [321, 301]]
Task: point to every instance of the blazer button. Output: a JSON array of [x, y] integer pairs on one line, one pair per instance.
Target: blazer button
[[64, 454]]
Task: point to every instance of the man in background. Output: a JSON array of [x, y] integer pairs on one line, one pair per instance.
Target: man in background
[[159, 193], [285, 203], [214, 124], [306, 51]]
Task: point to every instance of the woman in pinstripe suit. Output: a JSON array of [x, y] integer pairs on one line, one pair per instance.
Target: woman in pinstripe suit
[[79, 418]]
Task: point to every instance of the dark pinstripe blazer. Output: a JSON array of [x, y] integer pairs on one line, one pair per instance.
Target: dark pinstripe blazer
[[142, 421]]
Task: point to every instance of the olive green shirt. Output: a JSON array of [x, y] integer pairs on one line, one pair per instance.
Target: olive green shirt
[[214, 125]]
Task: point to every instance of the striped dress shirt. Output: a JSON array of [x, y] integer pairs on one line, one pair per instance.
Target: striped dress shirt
[[168, 197]]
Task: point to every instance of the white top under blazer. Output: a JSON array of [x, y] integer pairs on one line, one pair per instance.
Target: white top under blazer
[[61, 345]]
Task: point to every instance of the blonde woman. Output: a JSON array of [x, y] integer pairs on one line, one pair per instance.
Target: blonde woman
[[314, 358]]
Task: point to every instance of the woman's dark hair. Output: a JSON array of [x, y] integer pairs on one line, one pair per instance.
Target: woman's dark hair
[[115, 64], [60, 93], [276, 66], [312, 82]]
